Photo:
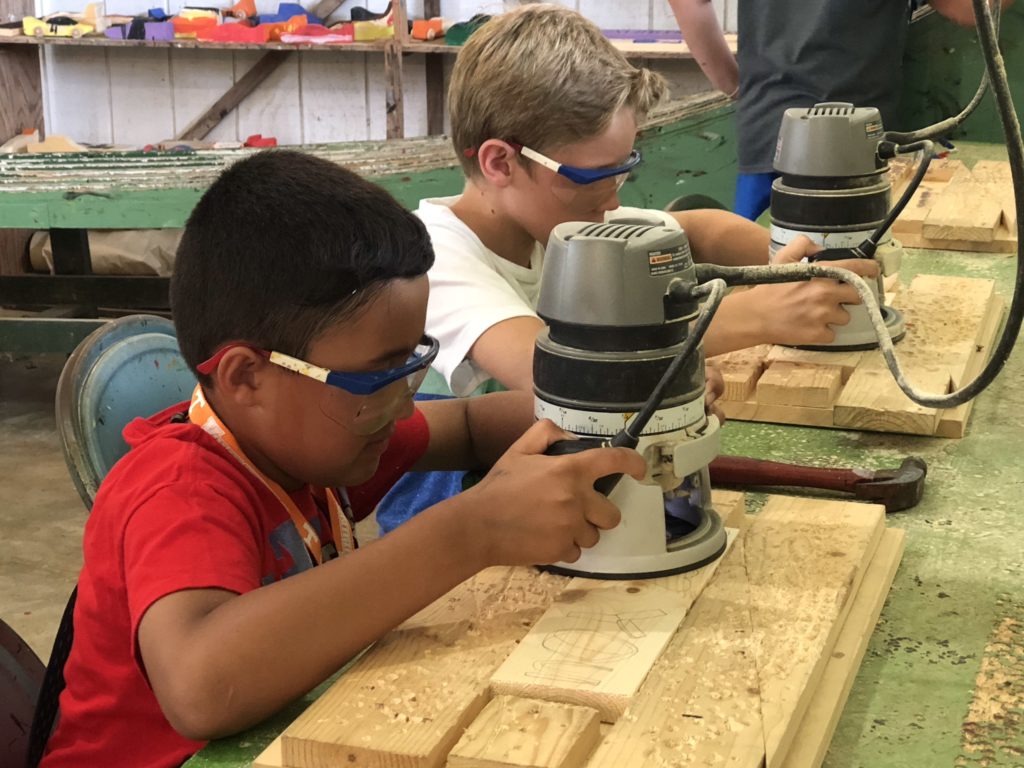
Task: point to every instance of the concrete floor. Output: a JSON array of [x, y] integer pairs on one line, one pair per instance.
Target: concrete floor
[[41, 514]]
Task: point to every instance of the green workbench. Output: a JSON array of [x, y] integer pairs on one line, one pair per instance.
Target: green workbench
[[956, 607]]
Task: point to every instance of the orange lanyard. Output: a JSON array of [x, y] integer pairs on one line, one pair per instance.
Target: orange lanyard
[[201, 414]]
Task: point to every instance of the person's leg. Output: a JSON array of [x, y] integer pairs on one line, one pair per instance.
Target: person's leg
[[753, 194]]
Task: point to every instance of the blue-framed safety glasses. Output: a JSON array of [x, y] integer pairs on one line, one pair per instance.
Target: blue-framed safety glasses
[[579, 175], [361, 401]]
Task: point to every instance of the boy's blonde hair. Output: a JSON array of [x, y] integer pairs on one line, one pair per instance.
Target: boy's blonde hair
[[544, 76]]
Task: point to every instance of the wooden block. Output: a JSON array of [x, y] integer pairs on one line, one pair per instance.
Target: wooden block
[[778, 414], [408, 700], [997, 171], [799, 608], [270, 757], [740, 381], [963, 211], [740, 370], [872, 400], [953, 421], [996, 175], [1003, 241], [20, 142], [811, 386], [512, 732], [912, 219], [596, 643], [674, 717], [55, 143], [819, 724], [944, 316], [733, 680], [946, 169], [845, 361]]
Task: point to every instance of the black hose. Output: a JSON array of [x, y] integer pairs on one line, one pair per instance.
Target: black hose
[[928, 148]]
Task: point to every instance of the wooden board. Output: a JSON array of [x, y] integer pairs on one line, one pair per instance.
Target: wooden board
[[952, 324], [957, 209], [596, 643], [819, 724], [407, 702], [763, 660], [525, 733], [733, 685], [512, 588]]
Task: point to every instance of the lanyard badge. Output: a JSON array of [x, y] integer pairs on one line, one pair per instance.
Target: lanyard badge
[[340, 509]]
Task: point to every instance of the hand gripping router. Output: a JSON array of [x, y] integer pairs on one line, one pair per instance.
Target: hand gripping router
[[835, 190]]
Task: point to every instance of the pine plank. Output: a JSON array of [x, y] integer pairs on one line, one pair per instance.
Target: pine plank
[[997, 174], [946, 169], [597, 642], [819, 724], [872, 400], [740, 381], [408, 700], [812, 386], [594, 647], [1003, 241], [512, 732], [911, 220], [674, 720], [963, 211], [733, 685], [845, 361], [805, 562], [778, 414], [953, 421]]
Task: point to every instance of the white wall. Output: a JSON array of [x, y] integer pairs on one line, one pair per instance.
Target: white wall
[[137, 96]]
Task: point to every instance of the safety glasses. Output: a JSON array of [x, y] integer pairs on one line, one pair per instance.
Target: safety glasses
[[361, 401], [577, 175]]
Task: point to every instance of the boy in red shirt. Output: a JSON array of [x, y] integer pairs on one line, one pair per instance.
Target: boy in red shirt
[[221, 579]]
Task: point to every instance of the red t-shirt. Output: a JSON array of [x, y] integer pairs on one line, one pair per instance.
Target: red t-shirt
[[178, 512]]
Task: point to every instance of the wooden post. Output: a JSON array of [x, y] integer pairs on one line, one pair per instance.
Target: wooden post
[[435, 78], [21, 107], [393, 74]]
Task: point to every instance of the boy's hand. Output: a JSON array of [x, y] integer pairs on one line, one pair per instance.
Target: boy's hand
[[714, 388], [801, 313], [533, 509]]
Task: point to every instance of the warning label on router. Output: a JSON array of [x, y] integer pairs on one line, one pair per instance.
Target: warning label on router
[[668, 262]]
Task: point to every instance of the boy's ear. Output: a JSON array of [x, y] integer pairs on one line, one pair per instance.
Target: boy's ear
[[498, 162], [240, 375]]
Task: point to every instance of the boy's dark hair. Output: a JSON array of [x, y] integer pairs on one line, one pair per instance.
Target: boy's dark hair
[[282, 246]]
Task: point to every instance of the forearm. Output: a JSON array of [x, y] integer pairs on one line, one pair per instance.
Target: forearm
[[721, 237], [736, 325], [235, 670], [702, 32], [473, 432], [496, 421]]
